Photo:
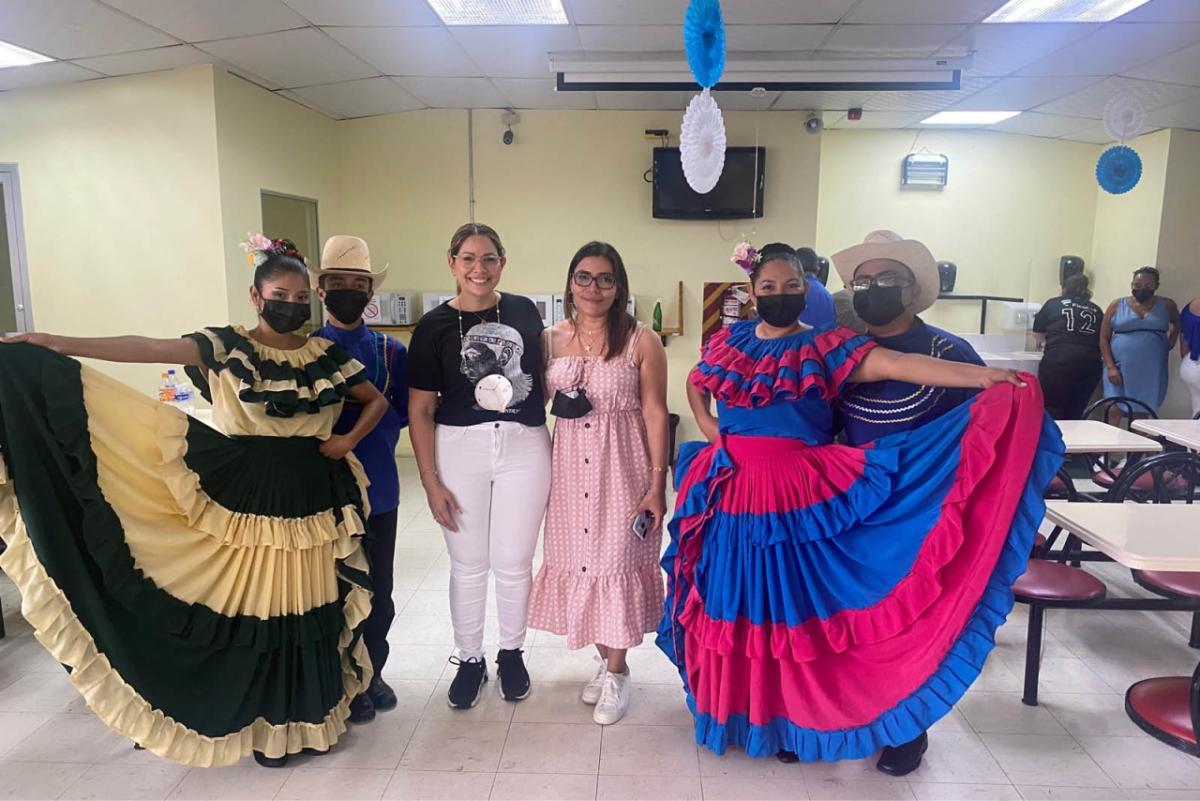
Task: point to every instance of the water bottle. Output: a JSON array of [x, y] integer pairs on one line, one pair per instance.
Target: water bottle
[[182, 394], [166, 393], [656, 320]]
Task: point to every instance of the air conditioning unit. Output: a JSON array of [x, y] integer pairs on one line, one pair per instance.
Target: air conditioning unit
[[924, 170]]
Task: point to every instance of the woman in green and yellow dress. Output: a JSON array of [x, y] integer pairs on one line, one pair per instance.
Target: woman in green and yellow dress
[[205, 589]]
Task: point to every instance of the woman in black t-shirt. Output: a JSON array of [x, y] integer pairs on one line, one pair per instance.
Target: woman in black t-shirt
[[477, 419], [1069, 328]]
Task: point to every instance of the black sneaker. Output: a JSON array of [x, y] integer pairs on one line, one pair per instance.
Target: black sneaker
[[382, 696], [361, 709], [512, 675], [468, 682]]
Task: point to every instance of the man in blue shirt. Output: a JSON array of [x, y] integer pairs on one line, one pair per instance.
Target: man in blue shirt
[[346, 285], [818, 304], [892, 280]]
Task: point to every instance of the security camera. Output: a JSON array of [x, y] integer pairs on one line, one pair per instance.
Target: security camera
[[508, 137], [813, 124], [509, 118]]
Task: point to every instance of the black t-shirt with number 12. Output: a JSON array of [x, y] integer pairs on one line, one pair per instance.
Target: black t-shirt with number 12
[[1071, 328], [451, 352]]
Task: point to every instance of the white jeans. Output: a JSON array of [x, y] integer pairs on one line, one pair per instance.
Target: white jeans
[[1189, 372], [500, 476]]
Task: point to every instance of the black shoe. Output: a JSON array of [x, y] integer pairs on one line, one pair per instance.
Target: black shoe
[[382, 696], [270, 762], [313, 752], [512, 675], [903, 759], [787, 757], [468, 682], [361, 709]]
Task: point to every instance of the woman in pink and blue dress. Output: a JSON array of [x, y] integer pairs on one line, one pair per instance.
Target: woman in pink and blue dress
[[825, 602]]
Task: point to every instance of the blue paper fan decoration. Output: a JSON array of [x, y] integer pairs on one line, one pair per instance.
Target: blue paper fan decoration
[[704, 41], [1118, 170]]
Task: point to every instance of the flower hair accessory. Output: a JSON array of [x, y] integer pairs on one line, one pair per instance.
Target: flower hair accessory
[[259, 248], [745, 256]]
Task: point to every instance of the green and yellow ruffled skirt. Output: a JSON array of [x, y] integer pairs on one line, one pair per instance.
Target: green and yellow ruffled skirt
[[205, 593]]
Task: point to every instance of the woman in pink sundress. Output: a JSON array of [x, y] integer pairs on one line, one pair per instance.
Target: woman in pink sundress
[[599, 583]]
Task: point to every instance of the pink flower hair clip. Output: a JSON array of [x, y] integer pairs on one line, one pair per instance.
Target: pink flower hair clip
[[258, 248], [745, 256]]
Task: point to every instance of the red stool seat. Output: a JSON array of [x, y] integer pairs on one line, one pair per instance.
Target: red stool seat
[[1054, 582], [1039, 540], [1163, 704], [1177, 583], [1175, 484]]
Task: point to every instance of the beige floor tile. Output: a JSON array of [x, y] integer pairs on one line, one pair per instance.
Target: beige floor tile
[[1090, 715], [1043, 793], [118, 782], [27, 655], [953, 723], [1039, 759], [658, 705], [838, 790], [345, 784], [560, 665], [457, 745], [997, 677], [421, 630], [1003, 713], [649, 665], [959, 758], [38, 692], [376, 745], [649, 751], [1143, 762], [731, 788], [844, 770], [491, 708], [16, 726], [437, 578], [427, 785], [735, 764], [243, 782], [933, 791], [412, 696], [551, 748], [1071, 676], [72, 738], [426, 602], [546, 639], [555, 702], [421, 662], [40, 780], [544, 787], [649, 788]]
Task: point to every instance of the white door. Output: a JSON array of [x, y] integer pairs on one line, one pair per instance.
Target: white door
[[16, 311]]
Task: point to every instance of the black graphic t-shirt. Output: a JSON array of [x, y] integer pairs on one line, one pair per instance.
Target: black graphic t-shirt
[[476, 356], [1071, 328]]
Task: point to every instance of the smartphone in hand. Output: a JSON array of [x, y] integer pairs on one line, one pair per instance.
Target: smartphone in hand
[[642, 525]]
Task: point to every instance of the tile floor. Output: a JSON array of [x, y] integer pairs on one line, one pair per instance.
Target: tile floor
[[1077, 745]]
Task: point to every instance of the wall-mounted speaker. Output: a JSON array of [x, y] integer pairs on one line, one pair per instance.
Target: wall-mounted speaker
[[1067, 267], [947, 274]]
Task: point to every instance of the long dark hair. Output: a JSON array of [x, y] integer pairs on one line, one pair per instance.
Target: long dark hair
[[1076, 288], [620, 324], [282, 257]]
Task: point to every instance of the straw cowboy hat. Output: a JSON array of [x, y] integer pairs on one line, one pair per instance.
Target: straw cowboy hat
[[346, 255], [890, 245]]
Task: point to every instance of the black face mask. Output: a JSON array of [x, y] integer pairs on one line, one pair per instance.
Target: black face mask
[[283, 316], [346, 305], [1143, 295], [879, 305], [780, 310]]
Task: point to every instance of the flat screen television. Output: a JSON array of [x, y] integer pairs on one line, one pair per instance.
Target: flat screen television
[[737, 195]]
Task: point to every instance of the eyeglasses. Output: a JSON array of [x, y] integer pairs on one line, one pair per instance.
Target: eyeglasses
[[487, 262], [603, 280], [885, 280]]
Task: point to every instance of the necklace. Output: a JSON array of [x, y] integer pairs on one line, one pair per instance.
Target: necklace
[[588, 343], [480, 316]]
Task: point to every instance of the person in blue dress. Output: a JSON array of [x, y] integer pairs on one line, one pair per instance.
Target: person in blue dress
[[819, 309], [346, 285], [893, 280], [1137, 333]]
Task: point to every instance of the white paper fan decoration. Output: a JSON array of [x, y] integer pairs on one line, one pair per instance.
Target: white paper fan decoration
[[702, 143], [1124, 117]]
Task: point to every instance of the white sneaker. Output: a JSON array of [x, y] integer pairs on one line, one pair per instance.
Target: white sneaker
[[591, 690], [614, 698]]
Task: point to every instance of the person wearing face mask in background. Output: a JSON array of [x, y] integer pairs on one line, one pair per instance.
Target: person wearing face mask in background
[[888, 295], [346, 285], [819, 308], [1137, 333]]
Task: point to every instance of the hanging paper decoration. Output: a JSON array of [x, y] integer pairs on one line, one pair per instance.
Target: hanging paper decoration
[[1118, 170], [702, 143], [1124, 117], [704, 41]]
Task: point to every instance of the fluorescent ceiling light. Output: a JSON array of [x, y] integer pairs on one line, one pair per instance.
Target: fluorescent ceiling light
[[968, 117], [13, 56], [500, 12], [1063, 10]]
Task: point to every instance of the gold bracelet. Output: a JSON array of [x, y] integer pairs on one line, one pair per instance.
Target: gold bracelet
[[658, 469], [428, 472]]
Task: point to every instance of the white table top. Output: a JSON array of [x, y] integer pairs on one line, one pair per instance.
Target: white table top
[[1093, 436], [1140, 535], [1181, 432]]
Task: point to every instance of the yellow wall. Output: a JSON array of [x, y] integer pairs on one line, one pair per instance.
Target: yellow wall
[[120, 199], [1011, 207], [1179, 244]]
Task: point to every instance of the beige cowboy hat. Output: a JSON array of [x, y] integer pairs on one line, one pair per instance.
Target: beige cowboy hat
[[346, 255], [890, 245]]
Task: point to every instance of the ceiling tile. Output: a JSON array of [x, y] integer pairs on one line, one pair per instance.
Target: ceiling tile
[[212, 19], [753, 38], [365, 12], [875, 119], [361, 98], [1090, 102], [1032, 123], [820, 101], [1165, 11], [291, 95], [1019, 94], [929, 101], [74, 28], [540, 93], [912, 40], [408, 51], [515, 51], [1001, 49], [626, 12], [160, 58], [43, 75], [1182, 66], [454, 92], [643, 101], [1115, 48], [1185, 114], [784, 12], [1096, 135], [292, 58], [630, 38], [922, 12], [744, 101]]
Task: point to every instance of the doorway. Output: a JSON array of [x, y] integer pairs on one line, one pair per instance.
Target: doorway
[[295, 218], [16, 310]]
